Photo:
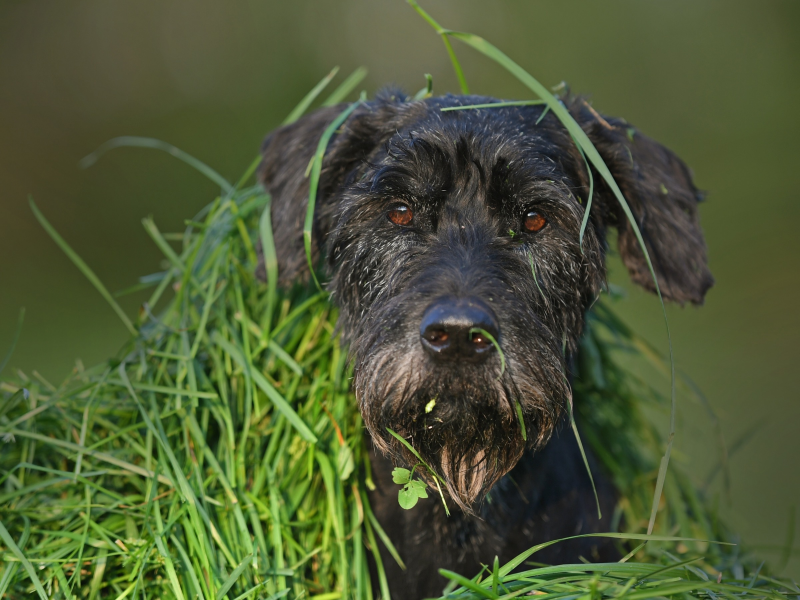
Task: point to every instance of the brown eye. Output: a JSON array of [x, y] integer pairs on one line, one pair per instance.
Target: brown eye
[[534, 222], [401, 215]]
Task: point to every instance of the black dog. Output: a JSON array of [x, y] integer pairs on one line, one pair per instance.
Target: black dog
[[441, 227]]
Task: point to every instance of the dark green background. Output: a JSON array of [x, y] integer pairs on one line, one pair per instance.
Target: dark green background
[[717, 81]]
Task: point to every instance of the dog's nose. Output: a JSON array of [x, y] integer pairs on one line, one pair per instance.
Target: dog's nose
[[455, 328]]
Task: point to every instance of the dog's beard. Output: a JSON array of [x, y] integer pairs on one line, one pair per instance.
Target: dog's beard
[[464, 425]]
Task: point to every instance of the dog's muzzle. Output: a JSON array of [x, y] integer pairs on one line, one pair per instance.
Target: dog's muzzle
[[455, 328]]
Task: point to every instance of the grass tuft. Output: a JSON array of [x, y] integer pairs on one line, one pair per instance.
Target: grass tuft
[[494, 343]]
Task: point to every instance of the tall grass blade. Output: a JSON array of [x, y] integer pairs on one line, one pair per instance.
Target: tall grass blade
[[662, 475], [11, 567], [277, 399], [521, 419], [493, 105], [468, 583], [130, 141], [82, 267], [494, 343], [427, 91], [170, 566], [316, 168], [270, 264], [304, 104], [234, 576], [26, 564], [585, 461], [348, 85], [462, 82], [519, 559], [588, 210], [297, 112]]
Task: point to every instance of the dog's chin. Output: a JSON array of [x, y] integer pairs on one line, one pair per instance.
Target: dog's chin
[[468, 454], [467, 429]]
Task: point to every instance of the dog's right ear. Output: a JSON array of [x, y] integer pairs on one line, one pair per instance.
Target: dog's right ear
[[284, 172], [659, 190], [286, 156]]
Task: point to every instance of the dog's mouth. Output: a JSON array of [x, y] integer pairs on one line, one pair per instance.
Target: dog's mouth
[[469, 426]]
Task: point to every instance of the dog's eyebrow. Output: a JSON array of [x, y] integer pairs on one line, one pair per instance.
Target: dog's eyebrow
[[392, 178]]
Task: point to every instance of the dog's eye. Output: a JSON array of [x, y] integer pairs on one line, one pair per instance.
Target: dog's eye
[[533, 221], [400, 214]]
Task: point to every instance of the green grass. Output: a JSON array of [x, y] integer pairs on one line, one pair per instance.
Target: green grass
[[220, 453]]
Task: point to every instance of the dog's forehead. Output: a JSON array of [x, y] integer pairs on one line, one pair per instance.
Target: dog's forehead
[[516, 136], [444, 143]]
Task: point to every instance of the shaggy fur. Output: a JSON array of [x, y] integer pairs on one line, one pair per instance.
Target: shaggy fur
[[470, 177]]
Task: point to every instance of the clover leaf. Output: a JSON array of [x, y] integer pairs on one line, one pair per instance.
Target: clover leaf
[[413, 489]]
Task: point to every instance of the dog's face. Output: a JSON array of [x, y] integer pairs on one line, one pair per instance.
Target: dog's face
[[452, 241]]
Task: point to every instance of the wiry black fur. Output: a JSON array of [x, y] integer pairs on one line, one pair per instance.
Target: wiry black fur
[[470, 176]]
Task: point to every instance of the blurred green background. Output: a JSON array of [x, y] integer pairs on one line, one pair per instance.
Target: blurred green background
[[717, 81]]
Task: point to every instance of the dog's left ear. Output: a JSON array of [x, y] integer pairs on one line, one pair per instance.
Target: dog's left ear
[[659, 190], [284, 173]]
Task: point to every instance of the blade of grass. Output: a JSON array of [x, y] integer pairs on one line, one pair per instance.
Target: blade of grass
[[295, 114], [632, 553], [383, 583], [130, 141], [518, 407], [26, 564], [172, 575], [586, 211], [519, 559], [162, 389], [82, 267], [427, 91], [495, 574], [233, 577], [443, 33], [270, 264], [662, 475], [256, 587], [381, 533], [493, 105], [467, 583], [277, 533], [334, 514], [93, 453], [285, 357], [316, 168], [62, 582], [585, 460], [494, 342], [99, 570], [201, 327], [348, 85], [277, 399], [85, 422], [309, 98], [11, 568]]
